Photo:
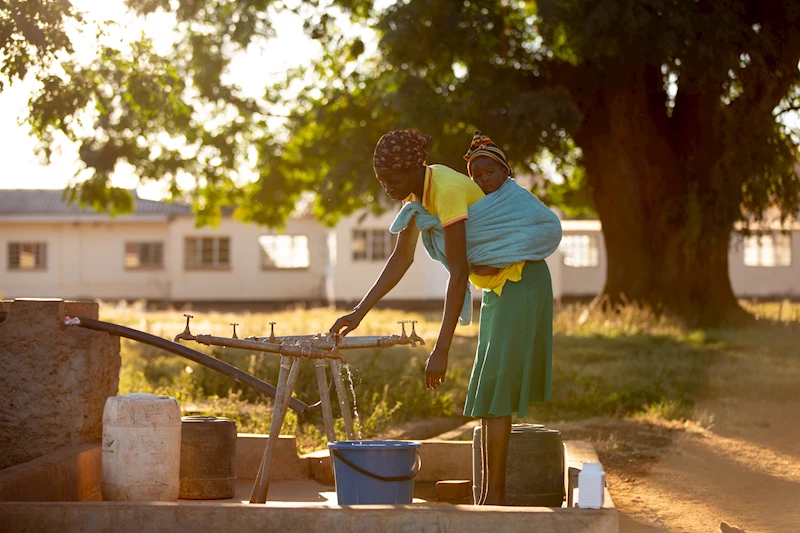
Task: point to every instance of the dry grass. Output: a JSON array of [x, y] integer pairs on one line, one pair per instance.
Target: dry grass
[[628, 363]]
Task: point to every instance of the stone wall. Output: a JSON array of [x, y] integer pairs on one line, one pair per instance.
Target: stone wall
[[54, 379]]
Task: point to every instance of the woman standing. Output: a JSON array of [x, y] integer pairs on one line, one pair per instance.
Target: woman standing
[[513, 362]]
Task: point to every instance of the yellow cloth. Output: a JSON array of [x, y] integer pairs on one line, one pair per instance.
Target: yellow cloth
[[497, 282], [447, 194]]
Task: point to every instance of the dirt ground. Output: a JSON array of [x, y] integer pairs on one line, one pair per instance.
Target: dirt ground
[[740, 464]]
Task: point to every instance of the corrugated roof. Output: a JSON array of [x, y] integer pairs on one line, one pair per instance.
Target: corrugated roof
[[50, 202]]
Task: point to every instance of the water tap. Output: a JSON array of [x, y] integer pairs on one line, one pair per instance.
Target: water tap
[[272, 339], [404, 338], [185, 334], [414, 337], [234, 324]]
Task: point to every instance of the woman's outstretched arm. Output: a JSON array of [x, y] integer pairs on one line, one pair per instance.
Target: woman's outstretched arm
[[455, 243], [396, 267]]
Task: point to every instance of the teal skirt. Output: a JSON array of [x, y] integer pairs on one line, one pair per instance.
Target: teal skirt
[[514, 361]]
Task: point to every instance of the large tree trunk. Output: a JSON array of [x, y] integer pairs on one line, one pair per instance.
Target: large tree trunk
[[667, 233]]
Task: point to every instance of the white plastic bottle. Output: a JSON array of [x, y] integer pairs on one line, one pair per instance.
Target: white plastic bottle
[[141, 448], [591, 486]]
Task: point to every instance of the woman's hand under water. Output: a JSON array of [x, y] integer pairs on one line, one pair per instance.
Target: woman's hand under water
[[482, 270]]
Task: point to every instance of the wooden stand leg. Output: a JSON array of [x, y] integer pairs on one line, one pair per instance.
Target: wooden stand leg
[[287, 378], [325, 399], [344, 401], [275, 424]]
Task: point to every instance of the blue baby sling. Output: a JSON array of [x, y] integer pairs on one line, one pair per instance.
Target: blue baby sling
[[505, 227]]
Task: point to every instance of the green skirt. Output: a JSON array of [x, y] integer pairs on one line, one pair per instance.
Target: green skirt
[[513, 364]]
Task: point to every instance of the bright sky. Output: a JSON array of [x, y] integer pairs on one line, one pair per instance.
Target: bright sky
[[22, 168]]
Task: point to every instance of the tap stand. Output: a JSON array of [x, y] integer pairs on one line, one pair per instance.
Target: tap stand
[[325, 399], [287, 377], [344, 402]]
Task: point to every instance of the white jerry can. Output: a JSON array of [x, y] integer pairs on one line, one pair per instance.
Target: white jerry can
[[141, 448]]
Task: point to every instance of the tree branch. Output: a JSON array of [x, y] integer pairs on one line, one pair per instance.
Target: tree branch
[[766, 82], [788, 109]]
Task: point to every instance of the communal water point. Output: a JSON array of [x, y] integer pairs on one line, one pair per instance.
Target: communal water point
[[79, 457]]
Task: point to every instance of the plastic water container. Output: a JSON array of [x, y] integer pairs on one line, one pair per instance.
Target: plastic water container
[[591, 486], [375, 471], [141, 448]]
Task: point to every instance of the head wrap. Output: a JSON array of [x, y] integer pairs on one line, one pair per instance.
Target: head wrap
[[483, 146], [401, 150]]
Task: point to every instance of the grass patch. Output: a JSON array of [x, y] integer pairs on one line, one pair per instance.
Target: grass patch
[[620, 364], [667, 409]]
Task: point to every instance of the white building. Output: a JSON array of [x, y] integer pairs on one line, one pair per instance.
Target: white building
[[49, 249]]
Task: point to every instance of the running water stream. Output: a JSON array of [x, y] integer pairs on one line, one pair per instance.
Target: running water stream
[[356, 419]]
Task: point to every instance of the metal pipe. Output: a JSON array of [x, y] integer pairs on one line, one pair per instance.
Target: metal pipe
[[214, 364], [305, 352], [325, 342]]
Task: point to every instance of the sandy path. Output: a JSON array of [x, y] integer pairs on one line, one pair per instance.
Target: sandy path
[[744, 469]]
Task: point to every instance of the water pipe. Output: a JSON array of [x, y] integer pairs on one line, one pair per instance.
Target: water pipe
[[214, 364], [304, 352], [327, 342]]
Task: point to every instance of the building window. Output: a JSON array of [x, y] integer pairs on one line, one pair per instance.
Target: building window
[[27, 255], [373, 244], [284, 251], [770, 249], [580, 250], [207, 253], [144, 255]]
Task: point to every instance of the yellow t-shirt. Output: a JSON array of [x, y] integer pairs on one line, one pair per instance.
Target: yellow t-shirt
[[447, 194]]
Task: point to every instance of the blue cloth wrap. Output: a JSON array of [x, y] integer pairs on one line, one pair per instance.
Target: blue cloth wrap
[[505, 227]]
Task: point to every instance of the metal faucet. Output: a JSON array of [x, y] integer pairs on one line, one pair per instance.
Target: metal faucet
[[414, 337], [404, 338], [315, 346], [185, 334]]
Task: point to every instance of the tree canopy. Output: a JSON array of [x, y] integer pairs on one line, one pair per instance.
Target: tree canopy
[[663, 114], [32, 33]]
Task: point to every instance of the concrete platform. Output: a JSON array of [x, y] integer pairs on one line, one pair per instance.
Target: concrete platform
[[311, 492], [295, 503], [68, 474], [118, 517], [299, 491]]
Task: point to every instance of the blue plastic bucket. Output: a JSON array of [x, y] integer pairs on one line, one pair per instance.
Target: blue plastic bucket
[[375, 471]]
